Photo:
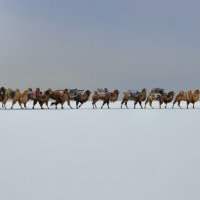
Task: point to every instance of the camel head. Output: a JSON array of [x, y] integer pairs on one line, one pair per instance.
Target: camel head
[[2, 91], [88, 92], [144, 92], [66, 91]]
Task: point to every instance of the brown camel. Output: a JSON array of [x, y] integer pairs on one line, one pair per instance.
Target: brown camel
[[154, 95], [43, 98], [60, 97], [17, 96], [34, 95], [106, 97], [166, 98], [82, 98], [137, 97], [193, 97], [2, 95], [21, 98], [8, 95], [181, 96]]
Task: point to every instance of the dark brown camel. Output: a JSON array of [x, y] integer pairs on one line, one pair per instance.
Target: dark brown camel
[[82, 98], [60, 97], [2, 95], [43, 98], [166, 98], [34, 96]]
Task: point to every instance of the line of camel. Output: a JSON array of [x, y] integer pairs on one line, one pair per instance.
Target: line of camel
[[59, 97]]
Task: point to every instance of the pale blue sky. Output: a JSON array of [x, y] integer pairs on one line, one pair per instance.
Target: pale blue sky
[[107, 43]]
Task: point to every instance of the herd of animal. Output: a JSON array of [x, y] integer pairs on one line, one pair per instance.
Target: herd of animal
[[60, 97]]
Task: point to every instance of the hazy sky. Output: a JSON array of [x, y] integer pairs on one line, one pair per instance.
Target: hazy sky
[[107, 43]]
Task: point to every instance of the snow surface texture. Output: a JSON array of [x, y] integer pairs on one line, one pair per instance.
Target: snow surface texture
[[91, 154]]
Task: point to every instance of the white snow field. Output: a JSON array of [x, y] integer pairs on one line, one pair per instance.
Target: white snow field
[[105, 154]]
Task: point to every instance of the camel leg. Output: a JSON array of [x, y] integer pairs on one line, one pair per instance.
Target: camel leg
[[80, 105], [47, 104], [126, 104], [13, 103], [145, 105], [135, 104], [68, 103], [193, 105], [25, 105], [188, 104], [34, 103], [62, 107], [103, 105], [150, 103], [122, 103], [77, 104], [160, 105], [140, 104], [41, 105], [166, 106], [174, 104], [108, 105], [20, 104], [3, 106], [94, 103]]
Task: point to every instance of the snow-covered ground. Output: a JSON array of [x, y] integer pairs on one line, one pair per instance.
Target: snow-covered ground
[[115, 105], [105, 154]]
